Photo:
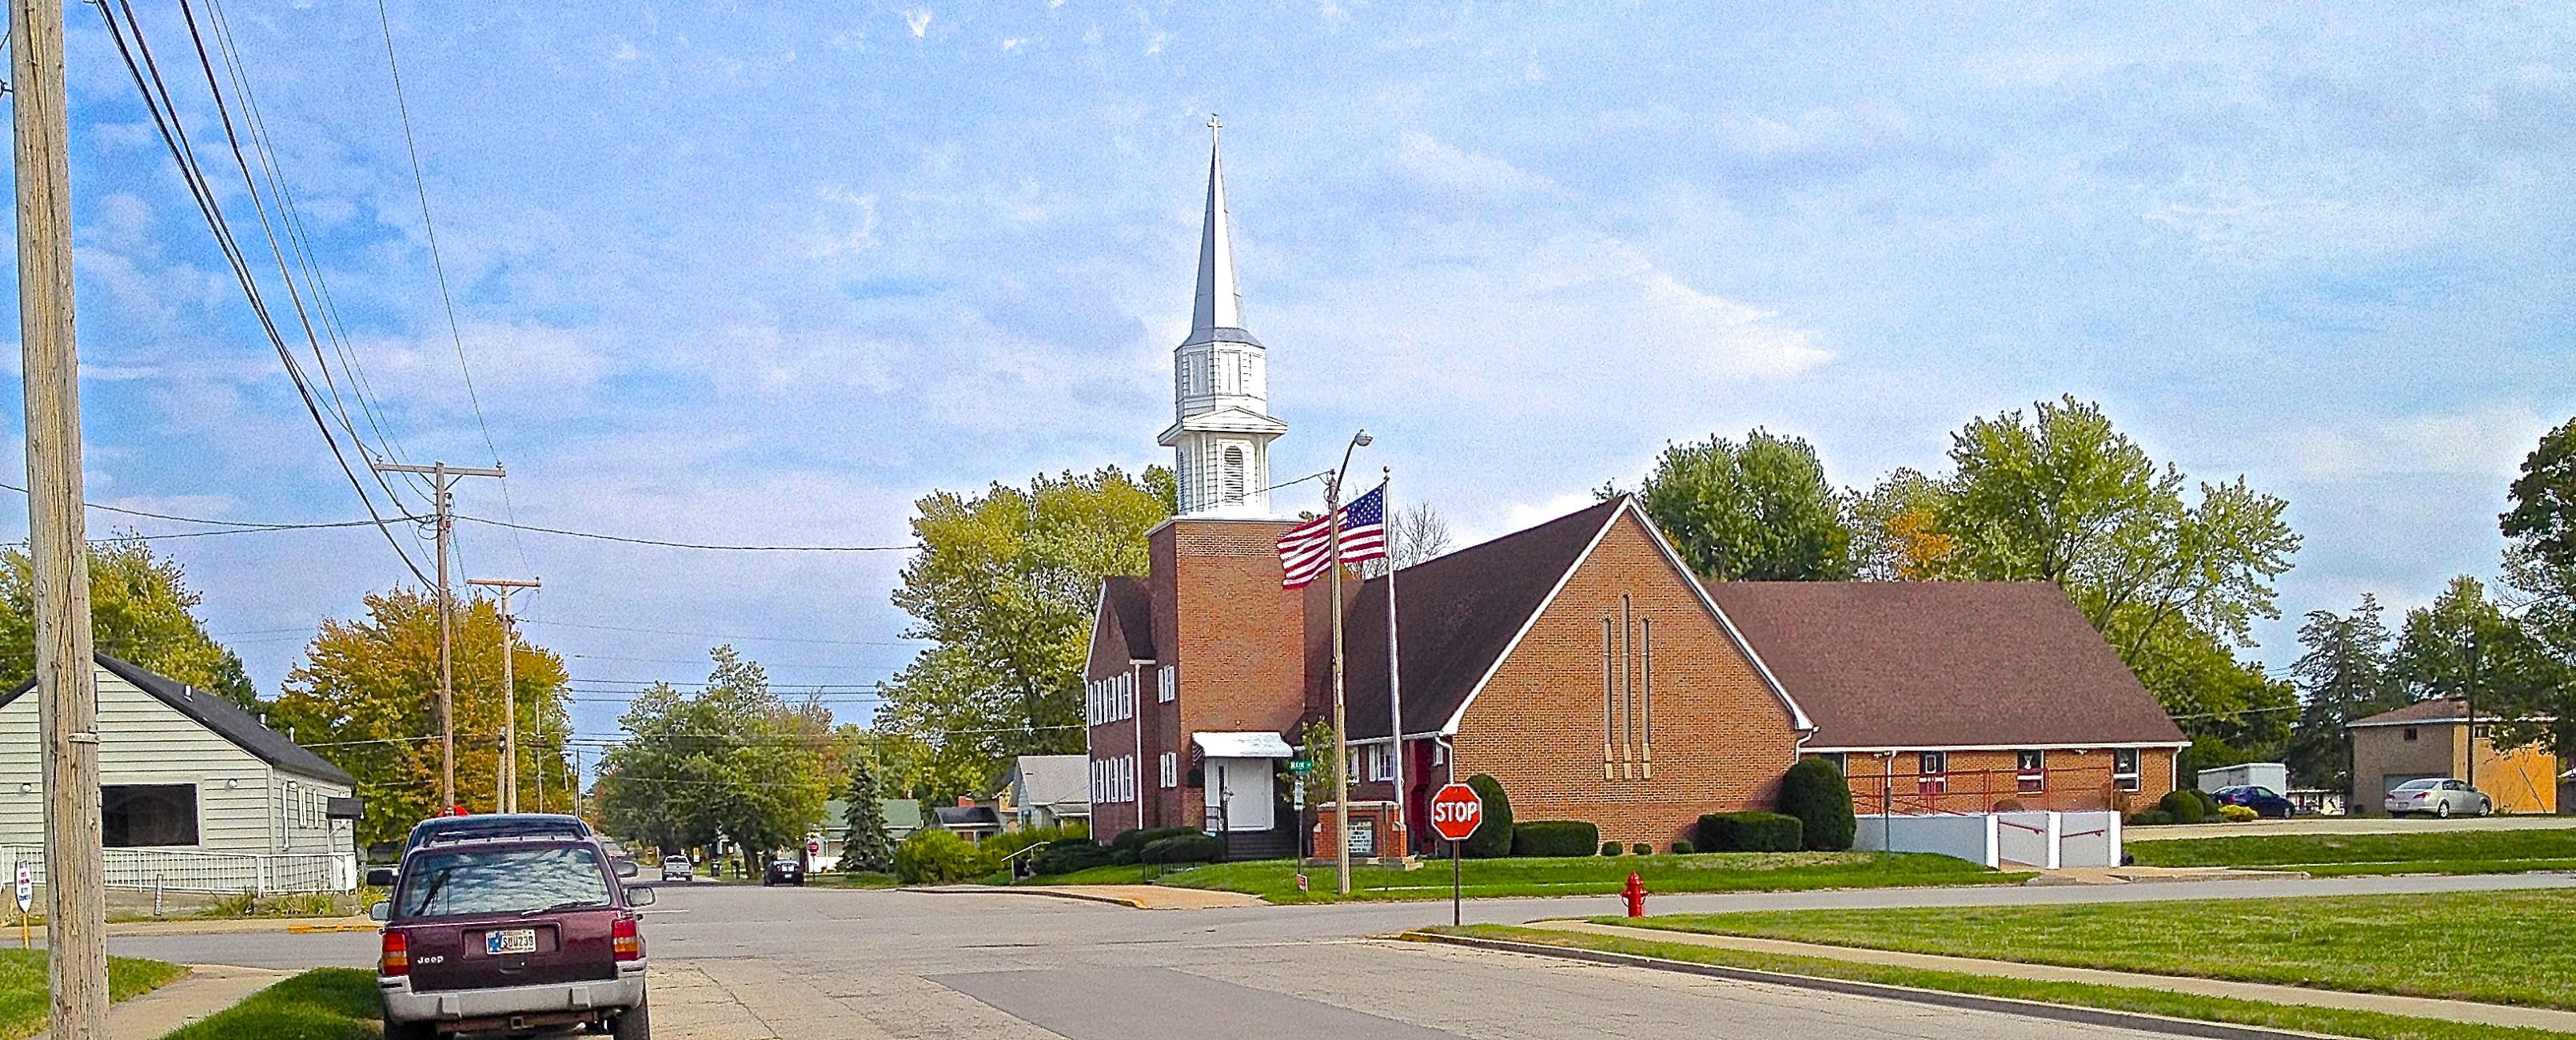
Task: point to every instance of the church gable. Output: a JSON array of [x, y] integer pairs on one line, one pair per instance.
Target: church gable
[[1122, 629]]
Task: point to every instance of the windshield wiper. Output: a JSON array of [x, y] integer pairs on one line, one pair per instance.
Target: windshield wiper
[[569, 904]]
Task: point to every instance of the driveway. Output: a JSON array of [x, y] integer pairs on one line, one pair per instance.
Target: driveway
[[735, 962], [2348, 825]]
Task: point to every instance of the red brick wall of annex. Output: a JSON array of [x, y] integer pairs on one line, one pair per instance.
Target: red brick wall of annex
[[2072, 780], [1236, 641], [1720, 738]]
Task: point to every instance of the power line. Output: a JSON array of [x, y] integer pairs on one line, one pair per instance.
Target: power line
[[705, 635], [628, 539], [173, 135]]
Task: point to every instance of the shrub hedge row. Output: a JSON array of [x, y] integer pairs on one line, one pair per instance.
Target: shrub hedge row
[[1555, 838], [1750, 832]]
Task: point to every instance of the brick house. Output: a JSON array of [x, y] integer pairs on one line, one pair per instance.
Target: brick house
[[1579, 662]]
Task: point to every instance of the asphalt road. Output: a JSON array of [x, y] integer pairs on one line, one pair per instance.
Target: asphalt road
[[744, 962], [2348, 825]]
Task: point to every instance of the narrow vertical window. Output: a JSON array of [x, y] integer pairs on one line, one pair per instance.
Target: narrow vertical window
[[1646, 693], [1609, 707], [1233, 475], [1627, 689]]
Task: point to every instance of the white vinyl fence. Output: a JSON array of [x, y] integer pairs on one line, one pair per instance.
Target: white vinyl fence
[[2047, 840], [218, 873]]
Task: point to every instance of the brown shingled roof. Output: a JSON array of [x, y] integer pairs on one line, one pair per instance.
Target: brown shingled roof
[[1130, 602], [1457, 613], [2435, 711], [1943, 664]]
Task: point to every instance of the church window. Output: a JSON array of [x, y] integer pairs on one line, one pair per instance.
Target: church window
[[1233, 475]]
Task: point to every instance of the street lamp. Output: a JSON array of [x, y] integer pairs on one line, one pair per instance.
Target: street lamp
[[1341, 738]]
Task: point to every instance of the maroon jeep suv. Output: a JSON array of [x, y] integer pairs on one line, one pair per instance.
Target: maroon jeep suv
[[509, 934]]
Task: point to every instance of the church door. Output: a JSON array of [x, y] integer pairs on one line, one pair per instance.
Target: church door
[[1240, 795]]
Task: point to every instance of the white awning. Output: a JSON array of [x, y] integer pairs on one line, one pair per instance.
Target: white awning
[[1243, 745]]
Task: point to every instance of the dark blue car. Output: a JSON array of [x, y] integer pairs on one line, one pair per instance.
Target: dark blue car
[[2262, 800]]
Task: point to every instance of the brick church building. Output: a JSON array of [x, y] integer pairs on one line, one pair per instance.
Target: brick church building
[[1579, 662]]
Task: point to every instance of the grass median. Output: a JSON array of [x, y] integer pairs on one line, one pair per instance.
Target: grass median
[[2428, 852], [1276, 880], [2336, 1022], [2496, 947], [25, 1000], [321, 1004]]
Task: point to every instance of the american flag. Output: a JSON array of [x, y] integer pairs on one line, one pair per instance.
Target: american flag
[[1307, 548]]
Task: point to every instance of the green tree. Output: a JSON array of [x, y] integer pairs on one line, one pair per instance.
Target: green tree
[[2543, 517], [1895, 536], [728, 761], [366, 698], [2344, 676], [2466, 645], [867, 846], [1004, 587], [141, 610], [1761, 510], [2060, 495]]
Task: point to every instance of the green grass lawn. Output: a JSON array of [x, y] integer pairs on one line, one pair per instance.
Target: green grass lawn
[[1113, 874], [2499, 851], [2499, 947], [854, 879], [322, 1004], [1275, 880], [2367, 1025], [25, 1000]]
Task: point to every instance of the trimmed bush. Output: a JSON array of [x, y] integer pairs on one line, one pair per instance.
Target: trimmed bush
[[1681, 848], [1612, 848], [1495, 836], [2236, 813], [1751, 832], [1556, 838], [2008, 805], [1193, 847], [1129, 847], [935, 857], [1642, 849], [1066, 855], [2151, 818], [2185, 806], [1815, 792]]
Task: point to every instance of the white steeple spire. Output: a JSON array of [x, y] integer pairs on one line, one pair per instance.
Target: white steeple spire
[[1220, 299], [1221, 435]]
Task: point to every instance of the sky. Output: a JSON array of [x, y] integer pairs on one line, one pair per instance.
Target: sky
[[769, 273]]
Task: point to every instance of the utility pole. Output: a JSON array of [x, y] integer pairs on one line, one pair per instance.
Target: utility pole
[[509, 797], [442, 476], [1341, 734], [57, 544]]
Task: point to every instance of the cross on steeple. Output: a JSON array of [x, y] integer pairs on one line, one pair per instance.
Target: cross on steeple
[[1214, 125]]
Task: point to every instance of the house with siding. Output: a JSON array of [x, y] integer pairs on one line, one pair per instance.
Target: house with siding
[[196, 793], [2434, 740]]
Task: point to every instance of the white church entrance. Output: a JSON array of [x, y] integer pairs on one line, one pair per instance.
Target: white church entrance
[[1241, 794]]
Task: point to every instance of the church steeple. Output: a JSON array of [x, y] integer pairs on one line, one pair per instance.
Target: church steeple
[[1220, 299], [1221, 435]]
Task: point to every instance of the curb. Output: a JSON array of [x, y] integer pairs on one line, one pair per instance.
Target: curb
[[1885, 991], [999, 890]]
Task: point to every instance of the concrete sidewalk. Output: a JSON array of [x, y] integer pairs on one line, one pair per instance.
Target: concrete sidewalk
[[2418, 1007], [223, 926], [2345, 825], [206, 989]]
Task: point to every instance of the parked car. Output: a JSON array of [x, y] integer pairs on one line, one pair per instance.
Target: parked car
[[783, 872], [678, 868], [512, 934], [2263, 800], [2437, 797], [486, 825]]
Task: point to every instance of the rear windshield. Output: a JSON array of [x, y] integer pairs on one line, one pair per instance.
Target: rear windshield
[[514, 828], [2418, 785], [458, 882]]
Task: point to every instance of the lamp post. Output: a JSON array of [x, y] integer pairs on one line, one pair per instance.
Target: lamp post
[[1341, 738]]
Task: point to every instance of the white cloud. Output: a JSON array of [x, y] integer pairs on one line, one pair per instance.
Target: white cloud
[[2488, 441], [1433, 163], [1857, 127], [917, 20]]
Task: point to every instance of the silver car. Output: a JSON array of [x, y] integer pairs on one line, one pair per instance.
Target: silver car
[[2436, 797], [677, 868]]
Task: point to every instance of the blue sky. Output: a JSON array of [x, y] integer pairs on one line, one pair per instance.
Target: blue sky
[[766, 273]]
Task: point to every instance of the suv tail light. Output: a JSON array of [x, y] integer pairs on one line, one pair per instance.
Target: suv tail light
[[625, 941], [396, 958]]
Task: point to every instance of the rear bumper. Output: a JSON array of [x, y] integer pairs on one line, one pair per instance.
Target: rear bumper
[[569, 1001]]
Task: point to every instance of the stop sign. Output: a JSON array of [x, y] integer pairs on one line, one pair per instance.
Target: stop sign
[[1455, 812]]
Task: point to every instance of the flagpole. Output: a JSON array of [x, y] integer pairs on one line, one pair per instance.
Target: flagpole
[[1394, 676]]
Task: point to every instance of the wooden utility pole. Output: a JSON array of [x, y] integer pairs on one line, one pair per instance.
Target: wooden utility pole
[[509, 799], [75, 866], [442, 476]]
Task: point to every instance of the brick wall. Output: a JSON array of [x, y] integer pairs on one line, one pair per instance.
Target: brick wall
[[2071, 780], [1719, 739]]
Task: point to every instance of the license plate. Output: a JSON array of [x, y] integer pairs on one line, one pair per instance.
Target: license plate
[[515, 940]]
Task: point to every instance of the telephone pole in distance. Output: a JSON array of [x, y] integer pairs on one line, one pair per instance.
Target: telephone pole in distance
[[442, 477], [509, 798]]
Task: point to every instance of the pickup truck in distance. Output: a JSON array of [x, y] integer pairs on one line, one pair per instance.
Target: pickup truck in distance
[[511, 934]]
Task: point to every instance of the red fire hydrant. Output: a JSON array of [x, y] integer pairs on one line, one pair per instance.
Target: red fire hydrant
[[1636, 893]]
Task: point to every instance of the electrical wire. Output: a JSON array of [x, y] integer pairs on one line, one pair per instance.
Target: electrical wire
[[524, 620], [630, 540]]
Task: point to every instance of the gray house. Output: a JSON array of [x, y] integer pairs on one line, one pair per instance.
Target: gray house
[[196, 794]]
